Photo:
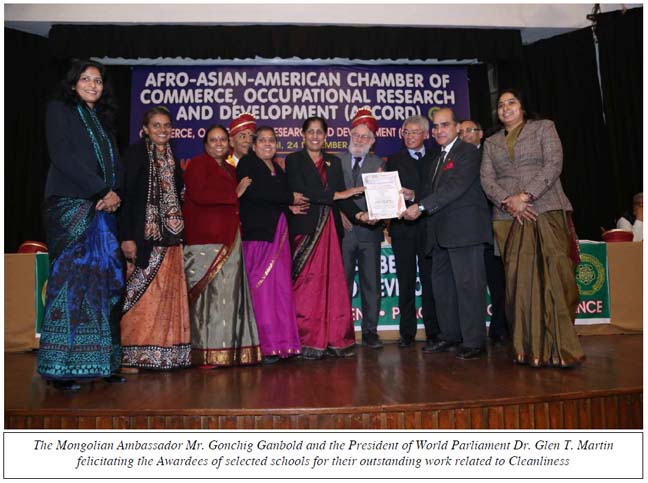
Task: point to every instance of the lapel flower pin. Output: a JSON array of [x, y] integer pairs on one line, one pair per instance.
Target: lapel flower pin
[[327, 163]]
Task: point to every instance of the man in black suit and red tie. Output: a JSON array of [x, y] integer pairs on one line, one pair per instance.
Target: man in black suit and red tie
[[409, 238], [458, 223]]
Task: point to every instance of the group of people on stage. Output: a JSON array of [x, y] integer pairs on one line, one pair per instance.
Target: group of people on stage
[[242, 260]]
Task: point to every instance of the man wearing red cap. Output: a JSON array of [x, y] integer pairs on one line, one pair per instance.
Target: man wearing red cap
[[241, 131], [361, 242]]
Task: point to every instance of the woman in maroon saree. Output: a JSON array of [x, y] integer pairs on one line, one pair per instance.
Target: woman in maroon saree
[[321, 296]]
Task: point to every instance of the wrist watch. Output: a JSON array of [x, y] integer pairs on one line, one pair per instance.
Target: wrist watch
[[421, 208]]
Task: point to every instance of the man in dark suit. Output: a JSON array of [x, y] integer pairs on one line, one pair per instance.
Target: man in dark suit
[[471, 132], [458, 224], [409, 238], [361, 242]]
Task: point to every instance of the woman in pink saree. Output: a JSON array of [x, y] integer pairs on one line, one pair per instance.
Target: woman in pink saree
[[266, 248]]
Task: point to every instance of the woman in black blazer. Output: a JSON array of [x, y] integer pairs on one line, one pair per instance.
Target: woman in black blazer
[[321, 295], [80, 331], [263, 210]]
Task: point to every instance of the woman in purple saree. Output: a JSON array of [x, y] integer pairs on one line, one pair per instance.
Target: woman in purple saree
[[266, 247]]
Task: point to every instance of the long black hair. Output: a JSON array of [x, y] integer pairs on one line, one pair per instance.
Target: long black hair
[[105, 107]]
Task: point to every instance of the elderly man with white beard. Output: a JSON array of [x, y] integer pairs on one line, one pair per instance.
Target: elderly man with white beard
[[361, 242]]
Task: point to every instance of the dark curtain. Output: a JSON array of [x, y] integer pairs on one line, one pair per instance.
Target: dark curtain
[[621, 63], [25, 154], [120, 78], [249, 41], [479, 94], [563, 86]]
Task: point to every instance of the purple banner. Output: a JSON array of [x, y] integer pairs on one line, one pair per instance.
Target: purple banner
[[284, 96]]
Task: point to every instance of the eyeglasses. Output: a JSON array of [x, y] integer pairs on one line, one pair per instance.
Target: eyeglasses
[[469, 130], [442, 124], [361, 137], [407, 132]]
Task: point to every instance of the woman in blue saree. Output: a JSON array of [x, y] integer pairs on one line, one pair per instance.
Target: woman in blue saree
[[80, 332]]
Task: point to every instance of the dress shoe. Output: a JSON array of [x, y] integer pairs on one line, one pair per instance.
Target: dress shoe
[[429, 343], [310, 354], [466, 353], [270, 359], [439, 346], [373, 342], [402, 343], [114, 379], [346, 352], [68, 386]]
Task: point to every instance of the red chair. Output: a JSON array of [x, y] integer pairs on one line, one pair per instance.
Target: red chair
[[31, 246], [617, 235]]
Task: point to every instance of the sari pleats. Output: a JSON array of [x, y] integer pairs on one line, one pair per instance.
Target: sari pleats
[[223, 325], [268, 268], [155, 330], [541, 291], [80, 332]]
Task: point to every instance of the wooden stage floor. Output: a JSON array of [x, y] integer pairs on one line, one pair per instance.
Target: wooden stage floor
[[390, 388]]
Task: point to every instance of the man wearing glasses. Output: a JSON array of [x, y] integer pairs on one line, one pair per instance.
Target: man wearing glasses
[[361, 242], [459, 226], [471, 132], [409, 238]]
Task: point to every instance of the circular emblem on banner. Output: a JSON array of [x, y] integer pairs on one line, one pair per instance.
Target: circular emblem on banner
[[590, 275], [431, 112]]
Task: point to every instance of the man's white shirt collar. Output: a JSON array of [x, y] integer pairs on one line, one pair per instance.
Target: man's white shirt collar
[[448, 147]]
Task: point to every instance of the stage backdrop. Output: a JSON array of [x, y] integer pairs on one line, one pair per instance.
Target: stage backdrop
[[284, 96]]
